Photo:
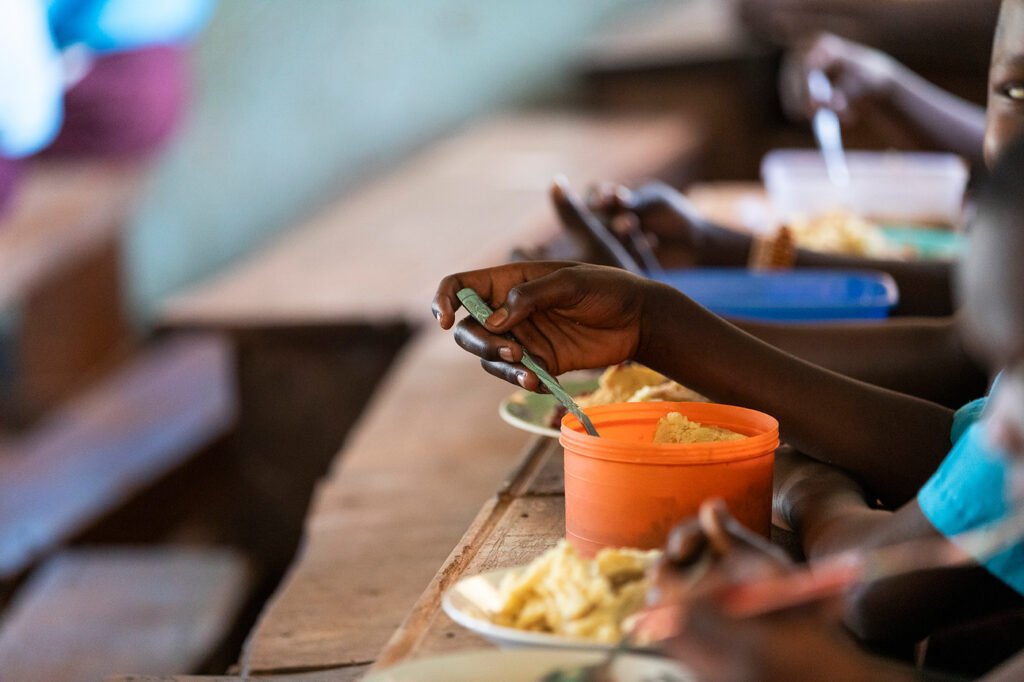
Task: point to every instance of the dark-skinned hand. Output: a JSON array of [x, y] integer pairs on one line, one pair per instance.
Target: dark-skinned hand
[[567, 315], [862, 78], [800, 643], [670, 221]]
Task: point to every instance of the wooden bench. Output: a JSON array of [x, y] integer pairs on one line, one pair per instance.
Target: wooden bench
[[90, 457], [62, 320], [89, 614]]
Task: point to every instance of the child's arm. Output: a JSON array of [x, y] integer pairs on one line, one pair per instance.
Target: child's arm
[[829, 512], [870, 85], [920, 357], [890, 441], [687, 238], [573, 316]]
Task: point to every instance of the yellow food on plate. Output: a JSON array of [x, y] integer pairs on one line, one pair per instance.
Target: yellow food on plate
[[675, 428], [563, 593], [633, 383], [843, 232]]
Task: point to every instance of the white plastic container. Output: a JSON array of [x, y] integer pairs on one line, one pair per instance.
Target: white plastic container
[[887, 187]]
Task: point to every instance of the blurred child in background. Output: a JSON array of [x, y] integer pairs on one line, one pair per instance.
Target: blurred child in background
[[980, 482], [99, 78]]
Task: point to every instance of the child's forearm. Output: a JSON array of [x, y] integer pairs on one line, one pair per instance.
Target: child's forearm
[[891, 441], [831, 519], [1011, 671], [829, 513], [923, 358], [941, 119]]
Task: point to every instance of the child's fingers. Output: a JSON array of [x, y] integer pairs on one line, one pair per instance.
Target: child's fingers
[[446, 300], [560, 289], [472, 337], [512, 373], [685, 544], [726, 534], [610, 198]]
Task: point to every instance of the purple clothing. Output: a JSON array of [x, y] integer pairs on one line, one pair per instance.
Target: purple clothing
[[127, 106]]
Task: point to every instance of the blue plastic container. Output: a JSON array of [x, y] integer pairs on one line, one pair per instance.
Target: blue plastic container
[[804, 295]]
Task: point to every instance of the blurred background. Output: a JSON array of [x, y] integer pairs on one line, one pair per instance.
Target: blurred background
[[221, 223]]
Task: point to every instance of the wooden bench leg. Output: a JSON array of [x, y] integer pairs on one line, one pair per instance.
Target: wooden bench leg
[[300, 392]]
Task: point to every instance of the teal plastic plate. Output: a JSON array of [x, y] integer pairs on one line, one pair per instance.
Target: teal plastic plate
[[532, 411], [930, 244]]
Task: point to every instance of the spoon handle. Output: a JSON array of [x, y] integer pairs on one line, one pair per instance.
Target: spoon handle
[[480, 312]]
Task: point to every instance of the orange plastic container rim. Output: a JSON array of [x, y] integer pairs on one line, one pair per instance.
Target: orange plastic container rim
[[766, 440]]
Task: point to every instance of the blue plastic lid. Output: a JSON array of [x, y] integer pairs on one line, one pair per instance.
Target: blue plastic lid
[[805, 295]]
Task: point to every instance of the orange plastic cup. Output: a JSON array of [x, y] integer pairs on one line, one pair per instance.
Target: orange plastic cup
[[623, 490]]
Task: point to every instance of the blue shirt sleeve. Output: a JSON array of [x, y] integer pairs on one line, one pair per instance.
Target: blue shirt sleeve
[[967, 492]]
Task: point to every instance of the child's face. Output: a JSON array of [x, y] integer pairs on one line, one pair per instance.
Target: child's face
[[1006, 81]]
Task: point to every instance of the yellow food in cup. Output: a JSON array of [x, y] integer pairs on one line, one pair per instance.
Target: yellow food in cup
[[675, 428]]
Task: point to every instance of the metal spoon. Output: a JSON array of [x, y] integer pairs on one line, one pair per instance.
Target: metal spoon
[[826, 128]]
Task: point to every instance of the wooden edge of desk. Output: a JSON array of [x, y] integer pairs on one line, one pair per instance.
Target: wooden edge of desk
[[415, 625]]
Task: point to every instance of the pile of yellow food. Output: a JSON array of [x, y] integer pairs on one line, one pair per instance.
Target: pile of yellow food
[[565, 594], [843, 232], [633, 383], [675, 428]]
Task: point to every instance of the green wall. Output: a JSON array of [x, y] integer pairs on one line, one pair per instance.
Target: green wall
[[298, 99]]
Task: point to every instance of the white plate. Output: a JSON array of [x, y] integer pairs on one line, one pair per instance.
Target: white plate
[[530, 411], [470, 601], [527, 666]]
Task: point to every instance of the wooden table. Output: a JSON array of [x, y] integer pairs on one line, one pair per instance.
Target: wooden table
[[321, 313], [429, 448], [525, 517]]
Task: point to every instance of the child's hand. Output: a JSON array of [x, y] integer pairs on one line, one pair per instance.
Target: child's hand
[[862, 78], [800, 643], [569, 316], [800, 481], [666, 219], [661, 210], [701, 555]]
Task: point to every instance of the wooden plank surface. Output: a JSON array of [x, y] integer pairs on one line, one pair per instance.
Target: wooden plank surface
[[524, 520], [465, 202], [348, 674], [740, 206], [60, 211], [668, 34], [87, 614], [62, 318], [431, 448], [428, 452], [93, 455]]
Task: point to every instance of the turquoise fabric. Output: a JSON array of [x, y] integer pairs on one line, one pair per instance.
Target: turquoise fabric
[[965, 417], [107, 25], [968, 491]]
